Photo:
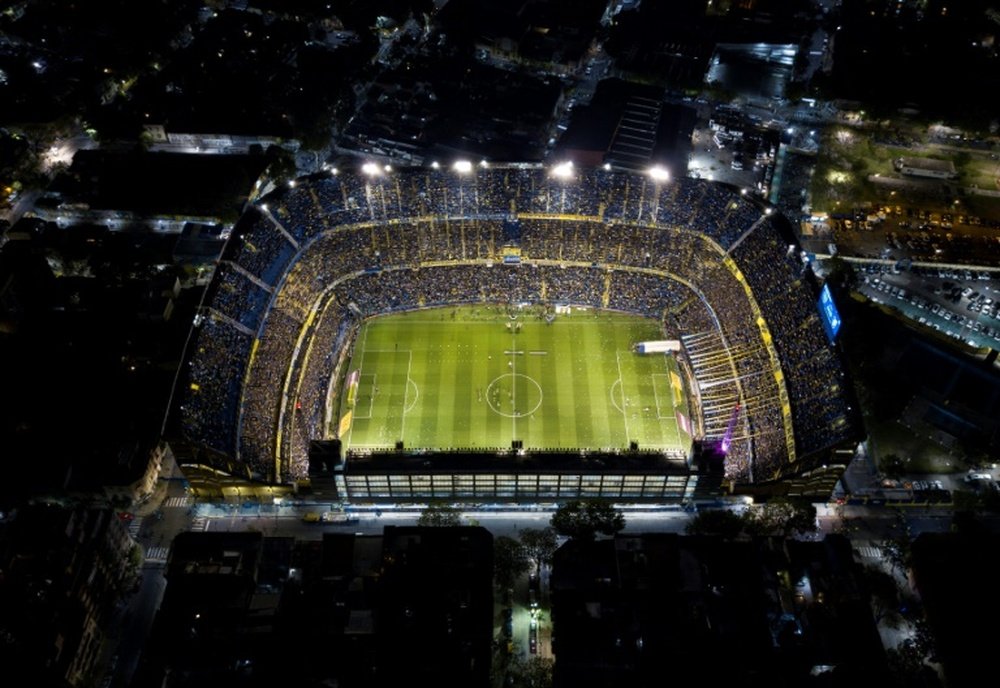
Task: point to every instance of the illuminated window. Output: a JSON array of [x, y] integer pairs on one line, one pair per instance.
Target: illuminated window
[[357, 486], [569, 486], [527, 483], [465, 486], [421, 485], [506, 485], [485, 485], [548, 485], [443, 486], [378, 486], [590, 484], [612, 486]]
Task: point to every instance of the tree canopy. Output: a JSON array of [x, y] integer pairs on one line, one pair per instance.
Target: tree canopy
[[583, 520], [510, 560], [780, 516], [721, 522], [440, 515], [539, 544]]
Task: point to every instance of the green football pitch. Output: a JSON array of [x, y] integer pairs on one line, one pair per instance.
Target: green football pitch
[[461, 378]]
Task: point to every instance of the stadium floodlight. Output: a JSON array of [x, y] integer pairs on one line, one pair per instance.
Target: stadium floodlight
[[371, 169], [563, 170], [435, 165], [334, 171], [263, 206], [768, 211], [291, 183], [607, 167], [387, 168], [659, 173], [462, 166], [483, 163]]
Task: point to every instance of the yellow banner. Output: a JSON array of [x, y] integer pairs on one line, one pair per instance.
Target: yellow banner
[[675, 383], [345, 424]]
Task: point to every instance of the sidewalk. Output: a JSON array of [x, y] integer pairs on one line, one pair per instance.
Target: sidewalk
[[153, 502]]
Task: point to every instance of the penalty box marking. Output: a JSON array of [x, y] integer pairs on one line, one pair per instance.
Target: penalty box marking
[[659, 415], [371, 396]]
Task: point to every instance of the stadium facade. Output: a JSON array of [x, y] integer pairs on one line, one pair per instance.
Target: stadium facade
[[307, 265]]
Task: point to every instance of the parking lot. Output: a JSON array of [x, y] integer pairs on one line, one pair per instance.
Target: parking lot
[[962, 304]]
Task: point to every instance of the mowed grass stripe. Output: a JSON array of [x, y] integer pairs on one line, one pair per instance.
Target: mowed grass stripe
[[464, 398], [546, 420], [480, 376], [565, 421], [602, 371], [582, 393], [496, 364]]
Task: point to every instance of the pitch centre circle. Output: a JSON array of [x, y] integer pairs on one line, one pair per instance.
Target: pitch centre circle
[[511, 398]]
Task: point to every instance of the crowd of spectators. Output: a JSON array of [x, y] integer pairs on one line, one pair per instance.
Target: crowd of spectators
[[782, 286], [215, 372], [329, 251]]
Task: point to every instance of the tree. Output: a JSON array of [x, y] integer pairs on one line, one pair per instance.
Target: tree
[[539, 544], [720, 522], [884, 594], [892, 466], [841, 273], [897, 553], [532, 673], [583, 520], [440, 515], [510, 560], [538, 672], [780, 516]]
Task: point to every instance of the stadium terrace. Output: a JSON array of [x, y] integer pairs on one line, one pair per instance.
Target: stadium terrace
[[309, 266]]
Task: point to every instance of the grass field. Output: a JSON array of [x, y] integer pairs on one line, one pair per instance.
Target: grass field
[[459, 378]]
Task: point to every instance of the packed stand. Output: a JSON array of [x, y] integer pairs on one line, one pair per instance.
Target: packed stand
[[264, 382], [813, 374], [364, 236], [214, 375]]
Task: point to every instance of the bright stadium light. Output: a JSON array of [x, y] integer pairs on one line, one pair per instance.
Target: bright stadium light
[[768, 211], [291, 183], [563, 170], [659, 173], [388, 168], [483, 163], [435, 165], [371, 169], [462, 166], [607, 167], [264, 207]]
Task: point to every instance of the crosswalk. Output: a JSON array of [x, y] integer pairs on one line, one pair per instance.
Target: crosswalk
[[177, 502], [133, 527], [867, 552], [199, 524], [157, 555]]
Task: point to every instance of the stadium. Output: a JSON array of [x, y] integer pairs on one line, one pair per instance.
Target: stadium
[[510, 332]]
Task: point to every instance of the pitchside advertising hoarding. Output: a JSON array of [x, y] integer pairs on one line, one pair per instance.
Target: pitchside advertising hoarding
[[828, 309]]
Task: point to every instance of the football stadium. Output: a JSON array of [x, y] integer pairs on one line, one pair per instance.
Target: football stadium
[[512, 333]]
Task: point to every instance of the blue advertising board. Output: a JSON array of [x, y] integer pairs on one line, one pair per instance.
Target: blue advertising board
[[828, 309]]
